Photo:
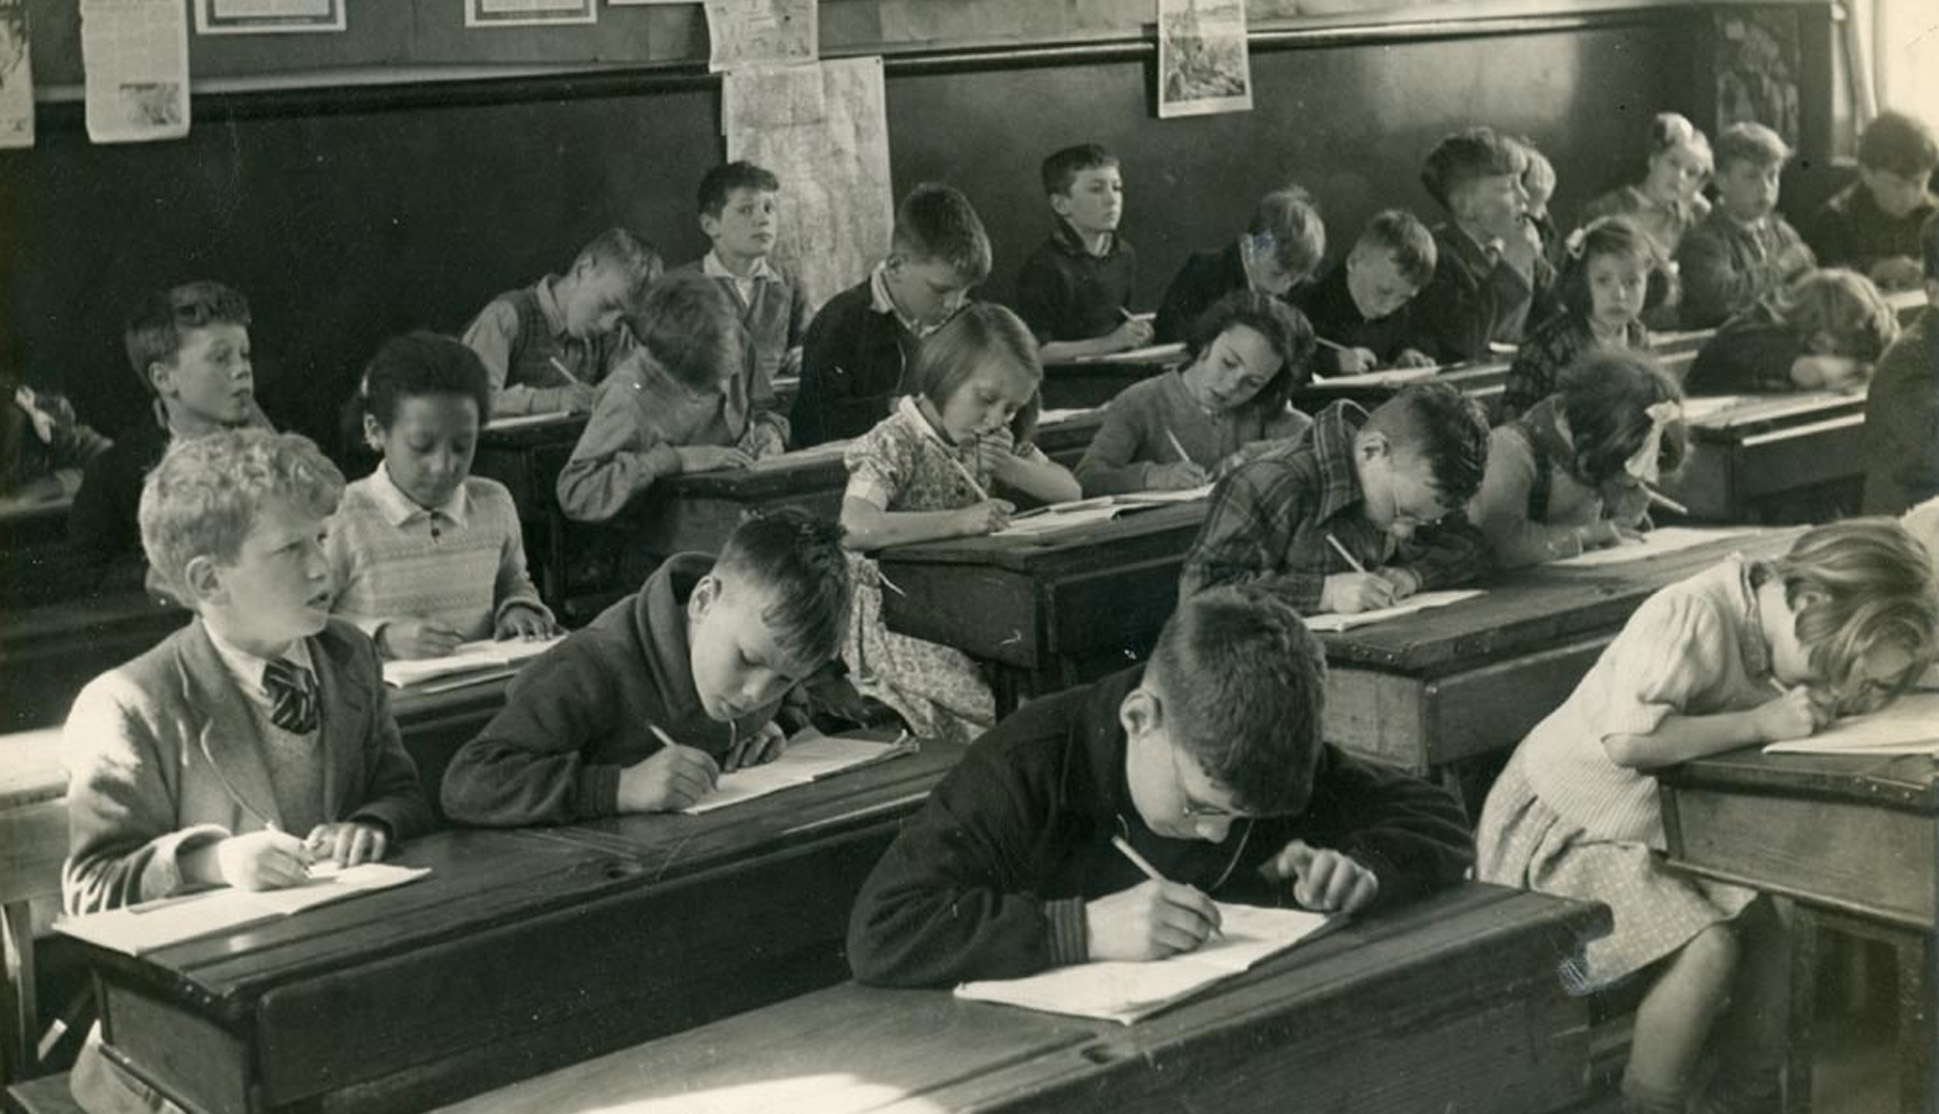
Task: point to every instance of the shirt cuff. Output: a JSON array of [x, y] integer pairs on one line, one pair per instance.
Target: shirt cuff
[[598, 792], [1069, 941]]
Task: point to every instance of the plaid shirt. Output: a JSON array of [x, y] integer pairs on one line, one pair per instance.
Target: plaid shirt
[[1539, 362], [1271, 517]]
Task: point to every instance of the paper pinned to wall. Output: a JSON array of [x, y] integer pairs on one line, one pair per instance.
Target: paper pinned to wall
[[528, 13], [1203, 65], [136, 54], [822, 130], [761, 33], [268, 17], [16, 77]]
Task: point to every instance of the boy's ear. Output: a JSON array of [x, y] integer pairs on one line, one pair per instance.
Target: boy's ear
[[1138, 713], [710, 224], [373, 433], [202, 579], [1372, 445], [705, 595], [1060, 204]]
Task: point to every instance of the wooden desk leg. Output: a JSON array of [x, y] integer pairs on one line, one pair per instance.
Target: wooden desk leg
[[1913, 953], [1804, 1000], [23, 1016]]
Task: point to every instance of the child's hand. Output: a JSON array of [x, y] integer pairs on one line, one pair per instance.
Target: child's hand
[[1177, 476], [757, 749], [670, 779], [1898, 272], [1829, 373], [1348, 592], [994, 459], [1405, 581], [417, 638], [520, 621], [1149, 921], [790, 362], [1608, 532], [1795, 715], [265, 860], [576, 398], [1413, 357], [1353, 361], [765, 439], [986, 517], [1134, 333], [1229, 465], [1324, 880], [710, 458], [348, 843]]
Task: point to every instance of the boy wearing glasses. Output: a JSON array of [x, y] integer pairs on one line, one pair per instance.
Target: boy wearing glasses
[[1208, 761]]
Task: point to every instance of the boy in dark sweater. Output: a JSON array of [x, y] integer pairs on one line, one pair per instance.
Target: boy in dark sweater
[[1075, 290], [859, 344], [1364, 305], [1744, 251], [1208, 761], [1280, 249], [701, 655], [1872, 225]]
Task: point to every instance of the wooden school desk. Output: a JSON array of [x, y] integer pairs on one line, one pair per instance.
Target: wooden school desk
[[521, 951], [48, 652], [1855, 841], [1451, 1004], [33, 843], [1049, 611], [1431, 690], [1755, 457], [1484, 381], [1096, 380]]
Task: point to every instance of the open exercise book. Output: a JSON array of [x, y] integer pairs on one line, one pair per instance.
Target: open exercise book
[[1127, 992], [1150, 354], [1656, 543], [527, 421], [483, 660], [1333, 621], [810, 756], [1100, 508], [143, 928], [1909, 725]]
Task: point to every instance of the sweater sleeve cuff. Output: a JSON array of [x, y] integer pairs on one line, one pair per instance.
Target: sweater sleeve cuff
[[1069, 941], [663, 459], [598, 792]]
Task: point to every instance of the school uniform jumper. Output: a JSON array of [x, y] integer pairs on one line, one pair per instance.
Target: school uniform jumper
[[1206, 277], [1476, 297], [1532, 504], [1065, 293], [773, 309], [522, 340], [1270, 520], [1329, 305], [989, 879], [1139, 425], [1850, 230], [578, 714], [1727, 267], [1751, 354], [852, 364]]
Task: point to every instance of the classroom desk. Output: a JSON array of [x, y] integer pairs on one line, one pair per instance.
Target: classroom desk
[[521, 951], [1853, 841], [1766, 458], [1452, 1004], [1431, 690], [49, 651], [1483, 381], [1046, 612], [33, 843], [1096, 380]]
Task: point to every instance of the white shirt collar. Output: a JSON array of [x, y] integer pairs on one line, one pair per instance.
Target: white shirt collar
[[883, 302], [399, 508], [247, 668], [712, 267]]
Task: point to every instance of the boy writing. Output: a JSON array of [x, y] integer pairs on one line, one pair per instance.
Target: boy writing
[[546, 346], [739, 211], [863, 340], [1743, 251], [189, 347], [1872, 225], [1357, 515], [643, 709], [1208, 761], [1364, 305], [1075, 290], [1490, 275], [1902, 409], [257, 739], [1280, 249]]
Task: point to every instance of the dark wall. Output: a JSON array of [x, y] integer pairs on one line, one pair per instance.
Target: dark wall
[[344, 227]]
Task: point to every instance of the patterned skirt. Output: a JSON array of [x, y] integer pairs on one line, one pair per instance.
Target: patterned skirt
[[937, 690], [1522, 842]]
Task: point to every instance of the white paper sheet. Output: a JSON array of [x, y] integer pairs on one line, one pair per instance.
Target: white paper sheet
[[472, 657], [1908, 726], [136, 54], [1331, 621], [528, 13], [1126, 992], [259, 17], [144, 928], [1150, 354], [761, 33], [810, 756], [525, 421], [1656, 543]]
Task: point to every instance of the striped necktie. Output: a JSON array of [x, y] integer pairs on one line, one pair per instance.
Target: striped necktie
[[292, 696]]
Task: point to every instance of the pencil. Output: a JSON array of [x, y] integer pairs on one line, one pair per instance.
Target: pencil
[[661, 735], [1666, 502], [1143, 864], [1778, 685], [1183, 456], [1351, 560], [968, 476], [1333, 344], [565, 371]]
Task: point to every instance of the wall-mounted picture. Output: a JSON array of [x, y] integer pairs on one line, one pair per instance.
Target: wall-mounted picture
[[1202, 64], [527, 13]]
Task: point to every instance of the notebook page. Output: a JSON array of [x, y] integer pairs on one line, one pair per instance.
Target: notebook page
[[1332, 621], [1656, 543], [486, 653], [809, 756], [143, 928], [1909, 725]]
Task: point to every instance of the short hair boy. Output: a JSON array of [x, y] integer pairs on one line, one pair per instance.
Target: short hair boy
[[1872, 225], [1075, 290], [740, 212], [424, 555], [1280, 249], [1365, 305], [207, 759], [1902, 409], [1216, 744], [703, 653], [864, 338], [1490, 275], [1744, 250], [189, 348], [546, 346], [1386, 489], [680, 403]]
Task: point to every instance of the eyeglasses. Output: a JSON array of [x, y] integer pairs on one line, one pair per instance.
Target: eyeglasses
[[1197, 811]]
